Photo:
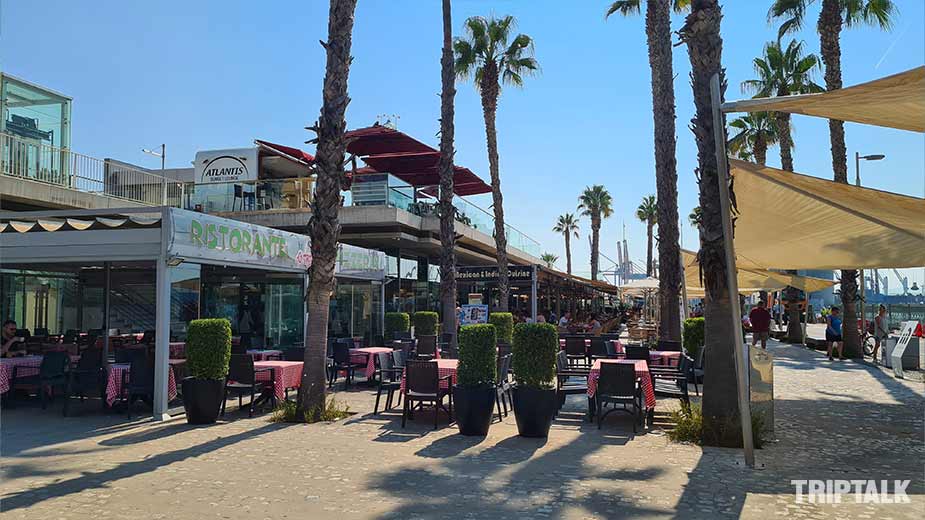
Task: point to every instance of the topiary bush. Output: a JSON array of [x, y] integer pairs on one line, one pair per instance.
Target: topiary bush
[[692, 336], [208, 348], [396, 322], [504, 323], [535, 346], [478, 356], [425, 323]]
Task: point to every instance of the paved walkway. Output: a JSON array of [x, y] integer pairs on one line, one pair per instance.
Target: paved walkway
[[834, 420]]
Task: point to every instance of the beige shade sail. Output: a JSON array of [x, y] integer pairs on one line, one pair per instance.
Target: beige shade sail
[[896, 101], [751, 279], [787, 220]]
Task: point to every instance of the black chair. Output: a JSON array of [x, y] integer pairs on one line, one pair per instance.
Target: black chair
[[565, 385], [598, 348], [610, 348], [401, 336], [677, 375], [342, 363], [86, 378], [426, 347], [637, 352], [23, 333], [377, 341], [669, 345], [398, 359], [576, 351], [618, 384], [71, 336], [422, 385], [239, 349], [293, 354], [242, 380], [52, 374], [41, 332], [147, 337], [697, 370], [138, 381], [389, 377], [503, 386]]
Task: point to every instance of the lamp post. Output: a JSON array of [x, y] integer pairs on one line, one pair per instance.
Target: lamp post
[[857, 182], [163, 155]]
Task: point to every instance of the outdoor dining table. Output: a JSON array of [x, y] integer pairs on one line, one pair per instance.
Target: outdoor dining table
[[265, 354], [445, 367], [642, 372], [177, 349], [284, 374], [667, 358], [367, 355], [29, 366], [114, 381]]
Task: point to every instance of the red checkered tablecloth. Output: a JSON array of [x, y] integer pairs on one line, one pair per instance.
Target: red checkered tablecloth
[[287, 374], [665, 358], [642, 372], [30, 366], [114, 382], [177, 350], [445, 367], [367, 355]]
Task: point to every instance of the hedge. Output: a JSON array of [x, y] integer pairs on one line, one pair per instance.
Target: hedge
[[208, 348], [504, 322], [692, 336], [396, 322], [425, 323], [478, 356], [535, 347]]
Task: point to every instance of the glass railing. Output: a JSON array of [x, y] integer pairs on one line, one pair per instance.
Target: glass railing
[[261, 195]]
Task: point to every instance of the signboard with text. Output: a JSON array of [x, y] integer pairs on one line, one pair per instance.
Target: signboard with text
[[516, 273], [473, 314], [232, 165]]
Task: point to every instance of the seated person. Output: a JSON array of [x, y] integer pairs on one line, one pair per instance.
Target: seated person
[[595, 327], [10, 343]]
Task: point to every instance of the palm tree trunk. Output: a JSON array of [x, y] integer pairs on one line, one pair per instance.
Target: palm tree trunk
[[786, 143], [595, 245], [649, 226], [323, 226], [830, 24], [760, 151], [720, 403], [489, 89], [447, 211], [568, 253], [658, 36]]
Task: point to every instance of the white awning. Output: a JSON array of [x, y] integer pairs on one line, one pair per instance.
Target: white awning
[[751, 279], [896, 101]]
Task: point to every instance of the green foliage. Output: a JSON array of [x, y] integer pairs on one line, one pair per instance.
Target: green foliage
[[396, 322], [692, 336], [425, 323], [478, 355], [288, 412], [535, 347], [688, 424], [504, 322], [208, 348], [689, 427]]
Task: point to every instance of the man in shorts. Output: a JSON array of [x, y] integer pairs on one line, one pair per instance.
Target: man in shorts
[[761, 324]]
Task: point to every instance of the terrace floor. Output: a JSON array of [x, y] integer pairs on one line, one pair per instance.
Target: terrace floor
[[834, 420]]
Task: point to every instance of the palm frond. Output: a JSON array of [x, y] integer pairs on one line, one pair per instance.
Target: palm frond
[[624, 7], [681, 6]]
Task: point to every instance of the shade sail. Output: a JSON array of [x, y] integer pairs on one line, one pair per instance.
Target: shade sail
[[379, 139], [787, 220], [288, 152], [751, 279], [896, 101], [640, 286]]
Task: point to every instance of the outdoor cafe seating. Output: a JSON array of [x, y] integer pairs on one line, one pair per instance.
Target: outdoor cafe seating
[[424, 384]]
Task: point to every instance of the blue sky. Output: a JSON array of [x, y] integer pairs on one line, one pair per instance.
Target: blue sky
[[218, 74]]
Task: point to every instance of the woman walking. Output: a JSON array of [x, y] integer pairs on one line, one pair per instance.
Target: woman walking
[[833, 333], [881, 330]]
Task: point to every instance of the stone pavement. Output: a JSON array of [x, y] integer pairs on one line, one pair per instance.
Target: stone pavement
[[834, 420]]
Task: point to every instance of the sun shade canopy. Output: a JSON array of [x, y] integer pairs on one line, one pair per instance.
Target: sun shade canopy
[[386, 150], [751, 279], [896, 101], [787, 220], [293, 154]]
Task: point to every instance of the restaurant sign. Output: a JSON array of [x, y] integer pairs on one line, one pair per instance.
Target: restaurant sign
[[359, 262], [219, 240], [233, 165], [516, 273]]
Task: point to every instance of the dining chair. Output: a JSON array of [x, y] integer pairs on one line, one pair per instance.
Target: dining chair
[[422, 385], [389, 378], [618, 384], [242, 380]]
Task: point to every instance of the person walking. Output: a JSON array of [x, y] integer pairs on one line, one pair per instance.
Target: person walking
[[760, 319], [833, 333], [881, 330]]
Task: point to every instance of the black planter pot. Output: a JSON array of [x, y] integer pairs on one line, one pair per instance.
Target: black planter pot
[[202, 399], [474, 407], [534, 410]]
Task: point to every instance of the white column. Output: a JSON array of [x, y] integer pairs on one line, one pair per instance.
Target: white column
[[162, 340]]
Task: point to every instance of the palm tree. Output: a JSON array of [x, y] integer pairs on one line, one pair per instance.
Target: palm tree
[[568, 226], [597, 204], [701, 33], [549, 259], [782, 72], [447, 210], [832, 16], [695, 216], [756, 132], [658, 38], [324, 226], [489, 60], [648, 212]]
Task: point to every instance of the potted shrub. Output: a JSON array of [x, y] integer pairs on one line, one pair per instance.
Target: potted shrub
[[396, 322], [504, 324], [208, 351], [535, 346], [474, 392], [425, 323]]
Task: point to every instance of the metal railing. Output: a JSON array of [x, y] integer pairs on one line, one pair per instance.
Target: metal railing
[[36, 161], [260, 195]]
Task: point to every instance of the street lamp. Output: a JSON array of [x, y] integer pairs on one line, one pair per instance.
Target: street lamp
[[162, 154], [857, 182]]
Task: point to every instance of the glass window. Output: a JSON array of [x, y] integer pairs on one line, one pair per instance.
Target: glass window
[[184, 299]]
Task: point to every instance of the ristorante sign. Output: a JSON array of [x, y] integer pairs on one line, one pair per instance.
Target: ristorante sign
[[234, 165], [516, 273]]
